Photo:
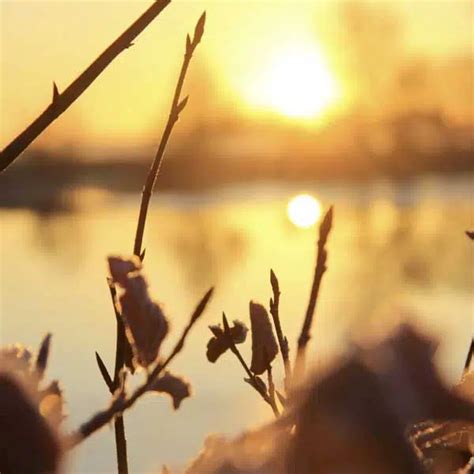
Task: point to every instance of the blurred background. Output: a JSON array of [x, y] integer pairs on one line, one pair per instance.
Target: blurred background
[[293, 106]]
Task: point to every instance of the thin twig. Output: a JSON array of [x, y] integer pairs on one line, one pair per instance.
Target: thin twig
[[319, 271], [254, 381], [62, 101], [271, 391], [177, 107], [194, 317], [104, 372], [467, 364], [122, 403], [42, 357], [122, 346], [470, 353], [282, 340], [119, 354]]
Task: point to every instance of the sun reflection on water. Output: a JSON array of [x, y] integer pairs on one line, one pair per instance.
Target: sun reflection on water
[[304, 210]]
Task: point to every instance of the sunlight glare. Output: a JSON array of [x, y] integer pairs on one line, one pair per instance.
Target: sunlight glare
[[304, 210], [297, 83]]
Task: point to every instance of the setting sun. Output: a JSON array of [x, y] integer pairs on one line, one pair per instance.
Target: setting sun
[[297, 83], [304, 210]]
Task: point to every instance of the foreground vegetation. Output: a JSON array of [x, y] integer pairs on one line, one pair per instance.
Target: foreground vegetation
[[382, 409]]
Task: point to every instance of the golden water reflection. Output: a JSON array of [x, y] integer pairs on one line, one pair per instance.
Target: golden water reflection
[[395, 252], [304, 210]]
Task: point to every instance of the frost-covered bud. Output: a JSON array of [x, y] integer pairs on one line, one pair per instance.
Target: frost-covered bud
[[146, 325], [264, 345], [120, 267]]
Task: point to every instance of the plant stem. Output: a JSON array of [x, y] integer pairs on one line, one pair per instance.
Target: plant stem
[[62, 101], [121, 403], [176, 107], [271, 391], [252, 377], [319, 271], [282, 340], [121, 445], [470, 353], [119, 425]]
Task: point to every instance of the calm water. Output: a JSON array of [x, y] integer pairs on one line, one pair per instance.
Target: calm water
[[396, 252]]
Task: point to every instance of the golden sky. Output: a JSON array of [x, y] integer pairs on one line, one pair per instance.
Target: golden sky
[[248, 48]]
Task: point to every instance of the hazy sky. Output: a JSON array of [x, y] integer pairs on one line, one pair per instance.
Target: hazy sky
[[45, 41]]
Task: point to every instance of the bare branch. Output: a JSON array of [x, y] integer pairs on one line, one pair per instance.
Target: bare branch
[[253, 380], [104, 372], [470, 353], [120, 402], [176, 107], [282, 340], [194, 317], [63, 101], [319, 271]]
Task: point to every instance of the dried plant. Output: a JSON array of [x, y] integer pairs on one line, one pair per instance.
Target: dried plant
[[320, 269], [31, 412], [141, 325], [61, 101], [383, 410], [265, 346], [220, 343], [122, 401], [356, 418]]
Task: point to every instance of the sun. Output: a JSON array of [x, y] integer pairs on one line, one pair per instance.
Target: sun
[[297, 83], [304, 210]]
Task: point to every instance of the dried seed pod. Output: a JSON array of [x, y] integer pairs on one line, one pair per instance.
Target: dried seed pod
[[120, 267], [146, 325], [264, 345], [199, 29], [219, 344], [174, 386]]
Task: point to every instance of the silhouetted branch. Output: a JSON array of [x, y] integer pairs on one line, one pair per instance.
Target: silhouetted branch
[[104, 372], [121, 402], [256, 382], [62, 101], [271, 391], [42, 358], [194, 317], [121, 347], [274, 311], [319, 271], [467, 364], [177, 107]]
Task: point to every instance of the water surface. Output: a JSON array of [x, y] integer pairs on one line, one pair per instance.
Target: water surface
[[397, 252]]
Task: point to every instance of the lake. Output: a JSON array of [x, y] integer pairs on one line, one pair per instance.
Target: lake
[[397, 252]]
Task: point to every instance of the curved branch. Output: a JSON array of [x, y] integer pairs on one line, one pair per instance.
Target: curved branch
[[62, 101]]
